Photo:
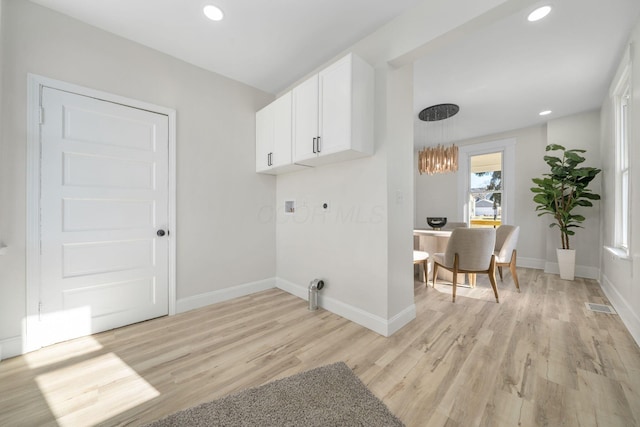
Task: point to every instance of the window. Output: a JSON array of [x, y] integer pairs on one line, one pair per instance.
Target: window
[[486, 187], [485, 190], [622, 211]]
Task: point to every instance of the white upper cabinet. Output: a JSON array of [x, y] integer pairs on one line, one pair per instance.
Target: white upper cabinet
[[273, 137], [264, 138], [326, 119], [306, 116], [333, 114]]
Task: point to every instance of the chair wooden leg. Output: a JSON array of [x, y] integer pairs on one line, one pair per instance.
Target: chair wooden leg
[[500, 272], [455, 277], [435, 273], [455, 280], [492, 276], [514, 273], [424, 271]]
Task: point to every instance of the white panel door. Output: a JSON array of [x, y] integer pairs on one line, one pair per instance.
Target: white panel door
[[104, 198]]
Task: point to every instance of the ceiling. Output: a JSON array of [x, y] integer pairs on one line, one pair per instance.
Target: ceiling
[[267, 44], [501, 75], [512, 69]]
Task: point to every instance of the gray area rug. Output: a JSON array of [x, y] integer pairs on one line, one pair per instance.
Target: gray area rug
[[331, 395]]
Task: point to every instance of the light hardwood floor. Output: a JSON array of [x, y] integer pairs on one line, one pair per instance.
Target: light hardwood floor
[[538, 358]]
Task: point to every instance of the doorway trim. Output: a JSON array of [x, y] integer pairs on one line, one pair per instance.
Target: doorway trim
[[35, 83]]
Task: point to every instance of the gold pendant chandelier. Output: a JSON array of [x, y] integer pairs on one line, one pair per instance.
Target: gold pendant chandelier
[[438, 159]]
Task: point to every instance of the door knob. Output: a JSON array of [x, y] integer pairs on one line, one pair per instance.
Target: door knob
[[160, 233]]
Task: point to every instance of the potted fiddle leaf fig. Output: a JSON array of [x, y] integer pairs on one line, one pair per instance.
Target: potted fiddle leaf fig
[[559, 192]]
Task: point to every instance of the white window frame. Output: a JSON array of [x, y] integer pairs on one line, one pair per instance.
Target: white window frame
[[472, 194], [622, 223], [465, 152]]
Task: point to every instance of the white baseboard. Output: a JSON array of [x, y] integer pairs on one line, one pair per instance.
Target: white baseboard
[[401, 319], [534, 263], [202, 300], [628, 315], [552, 267], [293, 289], [587, 272], [376, 323], [583, 271], [10, 347]]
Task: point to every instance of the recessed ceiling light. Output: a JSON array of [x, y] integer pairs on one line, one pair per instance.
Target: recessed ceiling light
[[213, 12], [545, 112], [539, 13]]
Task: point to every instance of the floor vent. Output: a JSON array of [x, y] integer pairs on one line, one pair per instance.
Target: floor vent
[[600, 308]]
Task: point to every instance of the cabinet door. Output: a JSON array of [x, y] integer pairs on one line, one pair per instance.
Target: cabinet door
[[305, 119], [264, 137], [282, 131], [335, 107]]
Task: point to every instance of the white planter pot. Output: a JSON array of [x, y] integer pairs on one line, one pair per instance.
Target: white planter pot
[[567, 263]]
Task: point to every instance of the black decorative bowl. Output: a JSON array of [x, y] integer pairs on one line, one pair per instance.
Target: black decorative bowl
[[436, 222]]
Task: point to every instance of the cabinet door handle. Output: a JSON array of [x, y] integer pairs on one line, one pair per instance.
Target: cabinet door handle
[[314, 145], [269, 162], [318, 145]]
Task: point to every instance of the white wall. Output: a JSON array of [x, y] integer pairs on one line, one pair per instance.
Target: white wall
[[621, 277], [222, 241], [360, 247], [4, 207], [399, 147], [579, 131], [433, 196], [345, 246]]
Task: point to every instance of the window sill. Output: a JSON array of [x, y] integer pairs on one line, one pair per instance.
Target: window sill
[[618, 253]]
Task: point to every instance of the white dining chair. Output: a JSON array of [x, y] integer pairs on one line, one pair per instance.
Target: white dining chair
[[505, 250], [469, 250]]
